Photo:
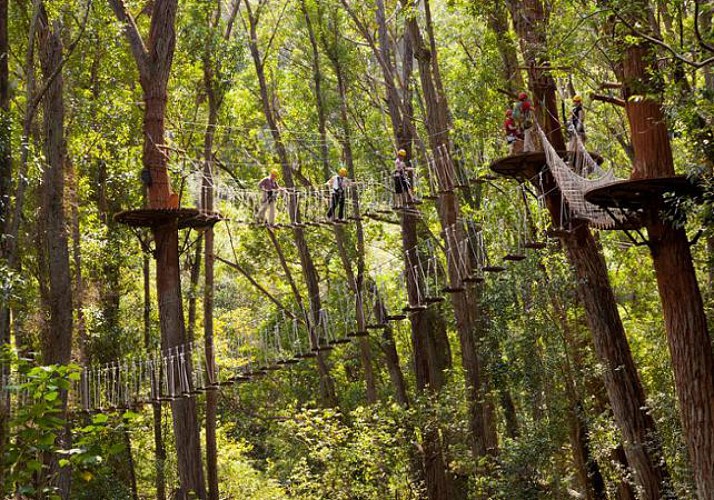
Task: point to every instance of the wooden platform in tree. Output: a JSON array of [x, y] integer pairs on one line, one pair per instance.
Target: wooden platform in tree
[[154, 217], [525, 166], [640, 194]]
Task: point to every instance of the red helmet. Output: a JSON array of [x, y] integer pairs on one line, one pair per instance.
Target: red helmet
[[522, 96], [509, 112]]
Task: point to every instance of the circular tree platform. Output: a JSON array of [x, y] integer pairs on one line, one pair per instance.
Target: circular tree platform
[[640, 194], [154, 217]]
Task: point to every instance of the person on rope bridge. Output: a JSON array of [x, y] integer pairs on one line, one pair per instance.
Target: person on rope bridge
[[576, 124], [402, 184], [513, 133], [269, 186], [523, 116], [337, 184]]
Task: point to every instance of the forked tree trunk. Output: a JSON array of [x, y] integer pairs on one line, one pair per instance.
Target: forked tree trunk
[[629, 405], [465, 304], [684, 317], [154, 63]]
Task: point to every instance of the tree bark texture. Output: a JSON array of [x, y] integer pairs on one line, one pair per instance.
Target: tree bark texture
[[684, 316], [185, 417], [53, 235]]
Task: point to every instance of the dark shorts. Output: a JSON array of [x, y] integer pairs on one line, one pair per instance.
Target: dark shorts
[[401, 184]]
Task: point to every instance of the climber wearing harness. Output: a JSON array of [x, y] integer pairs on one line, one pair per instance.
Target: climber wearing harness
[[402, 185], [337, 185], [512, 131], [577, 118], [269, 186]]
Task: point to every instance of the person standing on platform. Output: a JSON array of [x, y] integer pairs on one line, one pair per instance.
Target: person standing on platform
[[269, 187], [402, 185], [337, 185], [576, 125], [523, 116]]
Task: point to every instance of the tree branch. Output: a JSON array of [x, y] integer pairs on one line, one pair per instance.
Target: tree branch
[[141, 54], [666, 46], [257, 285], [702, 43], [604, 98]]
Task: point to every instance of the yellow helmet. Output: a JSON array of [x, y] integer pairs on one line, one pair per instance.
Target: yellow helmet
[[402, 152], [342, 172], [577, 98], [274, 173]]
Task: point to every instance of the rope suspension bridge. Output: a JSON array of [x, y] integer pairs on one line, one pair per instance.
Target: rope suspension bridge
[[286, 337]]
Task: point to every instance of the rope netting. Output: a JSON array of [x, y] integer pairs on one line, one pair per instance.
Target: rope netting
[[573, 184]]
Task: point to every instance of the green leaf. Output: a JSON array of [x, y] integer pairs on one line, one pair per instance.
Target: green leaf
[[100, 418], [34, 465]]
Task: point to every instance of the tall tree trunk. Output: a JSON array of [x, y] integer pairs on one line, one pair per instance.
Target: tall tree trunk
[[391, 356], [77, 261], [159, 449], [194, 277], [154, 63], [642, 445], [684, 316], [354, 282], [14, 217], [431, 349], [57, 337], [5, 188], [5, 120], [497, 20], [207, 205], [465, 304]]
